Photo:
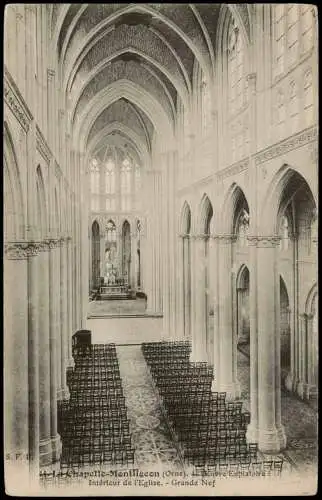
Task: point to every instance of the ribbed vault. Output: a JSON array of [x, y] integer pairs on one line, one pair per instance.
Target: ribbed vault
[[143, 53]]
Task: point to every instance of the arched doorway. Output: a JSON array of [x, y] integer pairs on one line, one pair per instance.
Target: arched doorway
[[95, 256], [126, 252], [285, 332]]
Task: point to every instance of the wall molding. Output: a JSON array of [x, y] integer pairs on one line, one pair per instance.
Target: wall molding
[[235, 168], [278, 149], [16, 102]]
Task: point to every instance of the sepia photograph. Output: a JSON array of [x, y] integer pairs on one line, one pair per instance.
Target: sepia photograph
[[160, 274]]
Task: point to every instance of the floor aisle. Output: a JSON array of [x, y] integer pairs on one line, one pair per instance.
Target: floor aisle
[[151, 438]]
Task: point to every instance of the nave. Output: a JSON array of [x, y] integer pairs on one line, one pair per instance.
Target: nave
[[129, 410], [160, 185]]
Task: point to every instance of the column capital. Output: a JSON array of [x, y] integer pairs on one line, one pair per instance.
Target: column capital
[[20, 250], [199, 237], [184, 236], [50, 73], [225, 239], [270, 241]]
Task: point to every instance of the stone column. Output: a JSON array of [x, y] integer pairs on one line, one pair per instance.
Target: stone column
[[45, 444], [216, 305], [168, 165], [198, 309], [63, 318], [311, 361], [58, 322], [70, 360], [185, 286], [228, 345], [252, 430], [54, 331], [17, 419], [102, 252], [305, 333], [271, 435], [133, 263], [33, 358]]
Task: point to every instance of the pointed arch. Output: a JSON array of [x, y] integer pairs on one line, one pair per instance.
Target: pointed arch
[[310, 301], [205, 213], [42, 212], [13, 197], [274, 202], [185, 219], [241, 279], [234, 203]]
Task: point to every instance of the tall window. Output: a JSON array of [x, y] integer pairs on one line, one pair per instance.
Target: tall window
[[293, 34], [95, 185], [205, 106], [293, 105], [243, 228], [110, 177], [284, 233], [280, 108], [308, 98], [115, 181], [236, 70], [95, 177], [110, 231]]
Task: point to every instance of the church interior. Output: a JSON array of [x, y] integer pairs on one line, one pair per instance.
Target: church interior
[[160, 240]]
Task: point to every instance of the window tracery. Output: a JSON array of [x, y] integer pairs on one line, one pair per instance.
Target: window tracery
[[235, 69], [308, 97], [284, 233], [243, 228], [115, 182], [293, 34]]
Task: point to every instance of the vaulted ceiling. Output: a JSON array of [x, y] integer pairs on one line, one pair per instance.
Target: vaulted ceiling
[[123, 67]]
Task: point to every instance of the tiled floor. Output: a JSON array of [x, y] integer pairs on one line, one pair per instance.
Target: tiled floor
[[151, 436], [116, 307], [299, 419], [155, 446]]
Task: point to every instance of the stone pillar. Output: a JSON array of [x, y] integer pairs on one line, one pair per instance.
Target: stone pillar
[[70, 360], [133, 263], [54, 331], [185, 285], [312, 357], [252, 430], [45, 443], [168, 161], [16, 412], [305, 385], [63, 318], [152, 245], [228, 343], [58, 322], [33, 358], [271, 435], [216, 305], [102, 252], [198, 309]]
